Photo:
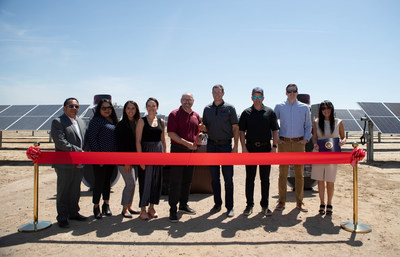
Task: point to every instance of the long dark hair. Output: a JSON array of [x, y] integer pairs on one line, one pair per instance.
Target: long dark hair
[[113, 115], [136, 117], [321, 118]]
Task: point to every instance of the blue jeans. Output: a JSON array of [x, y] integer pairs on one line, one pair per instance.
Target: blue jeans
[[227, 172]]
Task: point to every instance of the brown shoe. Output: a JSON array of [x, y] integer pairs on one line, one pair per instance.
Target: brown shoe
[[302, 207], [280, 206]]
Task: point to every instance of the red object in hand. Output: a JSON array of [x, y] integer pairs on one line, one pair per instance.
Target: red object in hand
[[33, 153], [357, 155]]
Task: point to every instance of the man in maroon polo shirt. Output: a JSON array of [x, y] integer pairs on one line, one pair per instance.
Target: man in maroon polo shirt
[[183, 127]]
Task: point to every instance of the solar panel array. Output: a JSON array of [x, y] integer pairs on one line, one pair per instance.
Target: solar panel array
[[385, 116], [31, 117]]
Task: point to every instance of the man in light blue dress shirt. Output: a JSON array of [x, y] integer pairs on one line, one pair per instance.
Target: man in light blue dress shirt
[[294, 133]]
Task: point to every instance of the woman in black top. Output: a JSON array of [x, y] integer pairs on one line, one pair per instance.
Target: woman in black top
[[101, 138], [150, 137], [126, 142]]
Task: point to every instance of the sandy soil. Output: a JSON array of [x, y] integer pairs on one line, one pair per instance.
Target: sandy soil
[[287, 233]]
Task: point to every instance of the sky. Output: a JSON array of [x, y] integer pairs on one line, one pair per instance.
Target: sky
[[344, 51]]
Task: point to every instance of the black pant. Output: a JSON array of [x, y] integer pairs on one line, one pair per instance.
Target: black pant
[[251, 171], [102, 182], [180, 180]]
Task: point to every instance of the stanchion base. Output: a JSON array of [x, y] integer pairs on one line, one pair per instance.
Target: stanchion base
[[33, 227], [358, 228]]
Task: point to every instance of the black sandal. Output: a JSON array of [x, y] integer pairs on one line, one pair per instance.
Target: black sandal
[[322, 209], [329, 209]]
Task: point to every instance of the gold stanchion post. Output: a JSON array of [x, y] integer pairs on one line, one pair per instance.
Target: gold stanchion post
[[35, 225], [355, 226]]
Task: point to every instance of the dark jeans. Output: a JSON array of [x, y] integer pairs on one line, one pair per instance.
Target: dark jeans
[[227, 172], [102, 182], [180, 180], [251, 171]]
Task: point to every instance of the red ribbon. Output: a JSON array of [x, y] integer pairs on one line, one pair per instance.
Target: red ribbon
[[357, 155], [121, 158], [33, 153]]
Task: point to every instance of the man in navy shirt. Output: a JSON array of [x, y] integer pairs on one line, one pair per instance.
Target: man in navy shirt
[[256, 125], [183, 128], [221, 124], [294, 133]]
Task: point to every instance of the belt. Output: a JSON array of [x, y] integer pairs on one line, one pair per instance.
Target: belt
[[258, 144], [219, 142], [291, 139]]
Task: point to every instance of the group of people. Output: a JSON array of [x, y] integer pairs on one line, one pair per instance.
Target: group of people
[[288, 126]]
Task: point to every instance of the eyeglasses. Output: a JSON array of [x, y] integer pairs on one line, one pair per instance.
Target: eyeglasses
[[291, 91], [75, 106], [105, 108], [258, 97], [325, 108]]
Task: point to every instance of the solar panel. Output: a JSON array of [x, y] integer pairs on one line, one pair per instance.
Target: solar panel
[[16, 110], [394, 108], [357, 114], [343, 114], [3, 107], [31, 117], [349, 121], [382, 116]]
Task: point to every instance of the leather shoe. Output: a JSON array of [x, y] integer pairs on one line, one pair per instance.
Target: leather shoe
[[105, 209], [173, 217], [302, 207], [280, 206], [126, 214], [215, 209], [133, 211], [63, 224], [96, 212], [78, 217], [266, 211], [248, 211], [186, 209]]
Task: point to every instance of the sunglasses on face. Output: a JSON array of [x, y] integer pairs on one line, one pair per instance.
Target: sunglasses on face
[[257, 97], [105, 108], [291, 91], [75, 106]]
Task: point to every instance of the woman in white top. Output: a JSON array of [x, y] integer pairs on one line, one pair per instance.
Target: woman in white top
[[326, 126]]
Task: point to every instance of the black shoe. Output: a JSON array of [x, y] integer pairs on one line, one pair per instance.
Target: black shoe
[[96, 212], [248, 211], [266, 211], [215, 209], [187, 210], [63, 224], [134, 211], [105, 209], [78, 217], [173, 217], [126, 215]]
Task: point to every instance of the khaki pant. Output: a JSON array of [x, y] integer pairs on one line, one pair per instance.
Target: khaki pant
[[289, 146]]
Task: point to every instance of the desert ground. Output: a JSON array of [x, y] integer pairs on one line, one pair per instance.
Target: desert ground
[[287, 233]]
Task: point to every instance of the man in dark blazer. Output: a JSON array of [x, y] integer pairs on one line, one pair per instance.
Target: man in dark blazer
[[68, 133]]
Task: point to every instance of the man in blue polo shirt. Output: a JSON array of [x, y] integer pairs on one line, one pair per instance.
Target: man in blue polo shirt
[[183, 127], [221, 124], [294, 133], [256, 126]]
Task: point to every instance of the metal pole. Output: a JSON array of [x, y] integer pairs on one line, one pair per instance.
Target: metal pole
[[370, 142], [1, 138], [355, 226], [36, 225]]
